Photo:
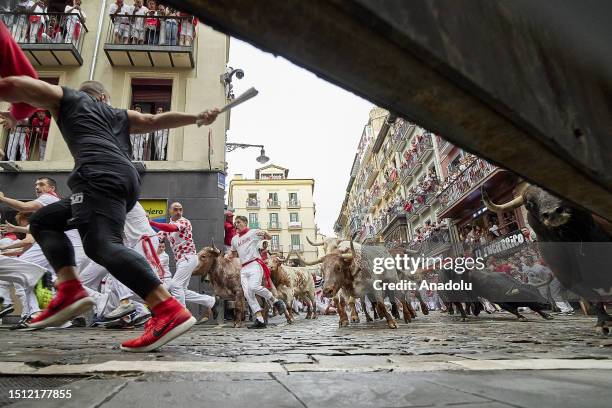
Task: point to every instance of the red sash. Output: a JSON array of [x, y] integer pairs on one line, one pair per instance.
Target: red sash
[[151, 255], [266, 271]]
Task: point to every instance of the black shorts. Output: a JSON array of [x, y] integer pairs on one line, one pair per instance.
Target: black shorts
[[102, 195]]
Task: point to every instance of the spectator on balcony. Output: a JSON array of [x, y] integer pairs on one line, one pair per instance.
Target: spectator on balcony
[[151, 24], [161, 140], [53, 34], [40, 132], [38, 22], [138, 16], [187, 29], [18, 141], [263, 251], [171, 26], [20, 27], [73, 21], [161, 23], [120, 12], [139, 141]]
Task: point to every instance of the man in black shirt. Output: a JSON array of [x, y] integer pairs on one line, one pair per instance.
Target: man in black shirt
[[105, 186]]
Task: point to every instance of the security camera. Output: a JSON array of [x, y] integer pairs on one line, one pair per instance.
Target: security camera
[[239, 74]]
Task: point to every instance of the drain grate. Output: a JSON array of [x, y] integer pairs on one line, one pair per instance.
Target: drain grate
[[26, 382]]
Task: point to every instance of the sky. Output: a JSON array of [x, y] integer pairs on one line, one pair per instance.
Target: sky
[[306, 124]]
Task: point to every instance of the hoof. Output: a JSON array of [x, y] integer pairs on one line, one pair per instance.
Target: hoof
[[369, 319], [355, 319], [392, 325], [548, 317], [407, 320], [464, 319], [522, 319], [344, 323]]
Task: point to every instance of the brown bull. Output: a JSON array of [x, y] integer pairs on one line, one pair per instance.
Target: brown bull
[[224, 275], [344, 271]]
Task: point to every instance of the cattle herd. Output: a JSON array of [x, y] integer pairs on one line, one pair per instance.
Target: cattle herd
[[576, 245]]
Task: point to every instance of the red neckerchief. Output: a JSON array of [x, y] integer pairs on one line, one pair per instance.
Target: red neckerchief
[[53, 193], [244, 231]]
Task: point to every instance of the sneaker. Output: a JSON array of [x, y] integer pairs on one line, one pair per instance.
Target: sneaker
[[124, 322], [257, 325], [170, 320], [5, 310], [71, 300], [79, 322], [140, 320], [280, 305], [22, 324], [120, 311]]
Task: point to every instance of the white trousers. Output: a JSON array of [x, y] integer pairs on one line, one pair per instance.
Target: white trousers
[[161, 141], [23, 275], [250, 279], [180, 281], [16, 143]]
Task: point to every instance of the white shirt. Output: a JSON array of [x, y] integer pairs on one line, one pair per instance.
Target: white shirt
[[164, 261], [139, 22], [74, 11], [136, 225], [247, 245], [73, 234], [124, 11]]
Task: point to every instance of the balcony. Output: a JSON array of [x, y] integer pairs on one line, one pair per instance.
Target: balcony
[[294, 204], [149, 42], [293, 225], [26, 142], [276, 248], [275, 226], [252, 204], [464, 183], [254, 224], [296, 247], [273, 204], [59, 45], [437, 242]]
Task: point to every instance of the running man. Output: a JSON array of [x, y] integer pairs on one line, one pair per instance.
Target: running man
[[245, 244], [105, 186], [180, 236]]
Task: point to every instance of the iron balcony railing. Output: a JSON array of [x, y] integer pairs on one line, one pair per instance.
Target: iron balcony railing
[[465, 182], [56, 30], [293, 204], [433, 243], [273, 204], [254, 224], [150, 146], [252, 203], [294, 225], [26, 142], [151, 30], [275, 225]]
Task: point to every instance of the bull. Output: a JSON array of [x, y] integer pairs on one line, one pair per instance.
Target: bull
[[224, 275], [293, 283], [348, 272], [574, 244]]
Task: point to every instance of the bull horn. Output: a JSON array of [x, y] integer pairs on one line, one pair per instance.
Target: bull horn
[[347, 257], [510, 205], [212, 244], [314, 243], [307, 263], [352, 248]]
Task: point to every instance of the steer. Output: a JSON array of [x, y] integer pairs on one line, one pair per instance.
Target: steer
[[224, 275], [575, 245], [351, 273], [293, 283]]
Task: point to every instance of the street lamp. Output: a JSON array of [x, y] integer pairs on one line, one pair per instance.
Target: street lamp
[[262, 158]]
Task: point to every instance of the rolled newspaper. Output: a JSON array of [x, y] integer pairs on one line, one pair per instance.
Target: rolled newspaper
[[245, 96]]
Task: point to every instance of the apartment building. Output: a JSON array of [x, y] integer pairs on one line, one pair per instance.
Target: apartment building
[[280, 205], [161, 62]]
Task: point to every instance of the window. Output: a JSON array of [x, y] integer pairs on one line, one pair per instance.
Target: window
[[253, 218], [273, 217], [295, 241], [294, 217], [275, 242], [252, 200], [150, 95]]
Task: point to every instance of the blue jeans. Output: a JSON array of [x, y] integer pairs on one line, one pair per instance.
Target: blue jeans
[[171, 32]]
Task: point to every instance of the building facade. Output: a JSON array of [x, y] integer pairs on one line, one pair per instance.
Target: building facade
[[166, 61], [410, 187], [280, 205]]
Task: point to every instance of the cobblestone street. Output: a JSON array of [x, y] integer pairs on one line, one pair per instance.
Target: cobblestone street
[[435, 360]]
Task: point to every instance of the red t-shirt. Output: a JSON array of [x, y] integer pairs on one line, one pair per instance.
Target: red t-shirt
[[41, 127], [230, 231]]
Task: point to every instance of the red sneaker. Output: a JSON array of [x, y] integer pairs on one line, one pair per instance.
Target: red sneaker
[[71, 300], [170, 320]]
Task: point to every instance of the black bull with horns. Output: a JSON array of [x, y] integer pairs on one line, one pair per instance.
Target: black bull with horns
[[576, 245]]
